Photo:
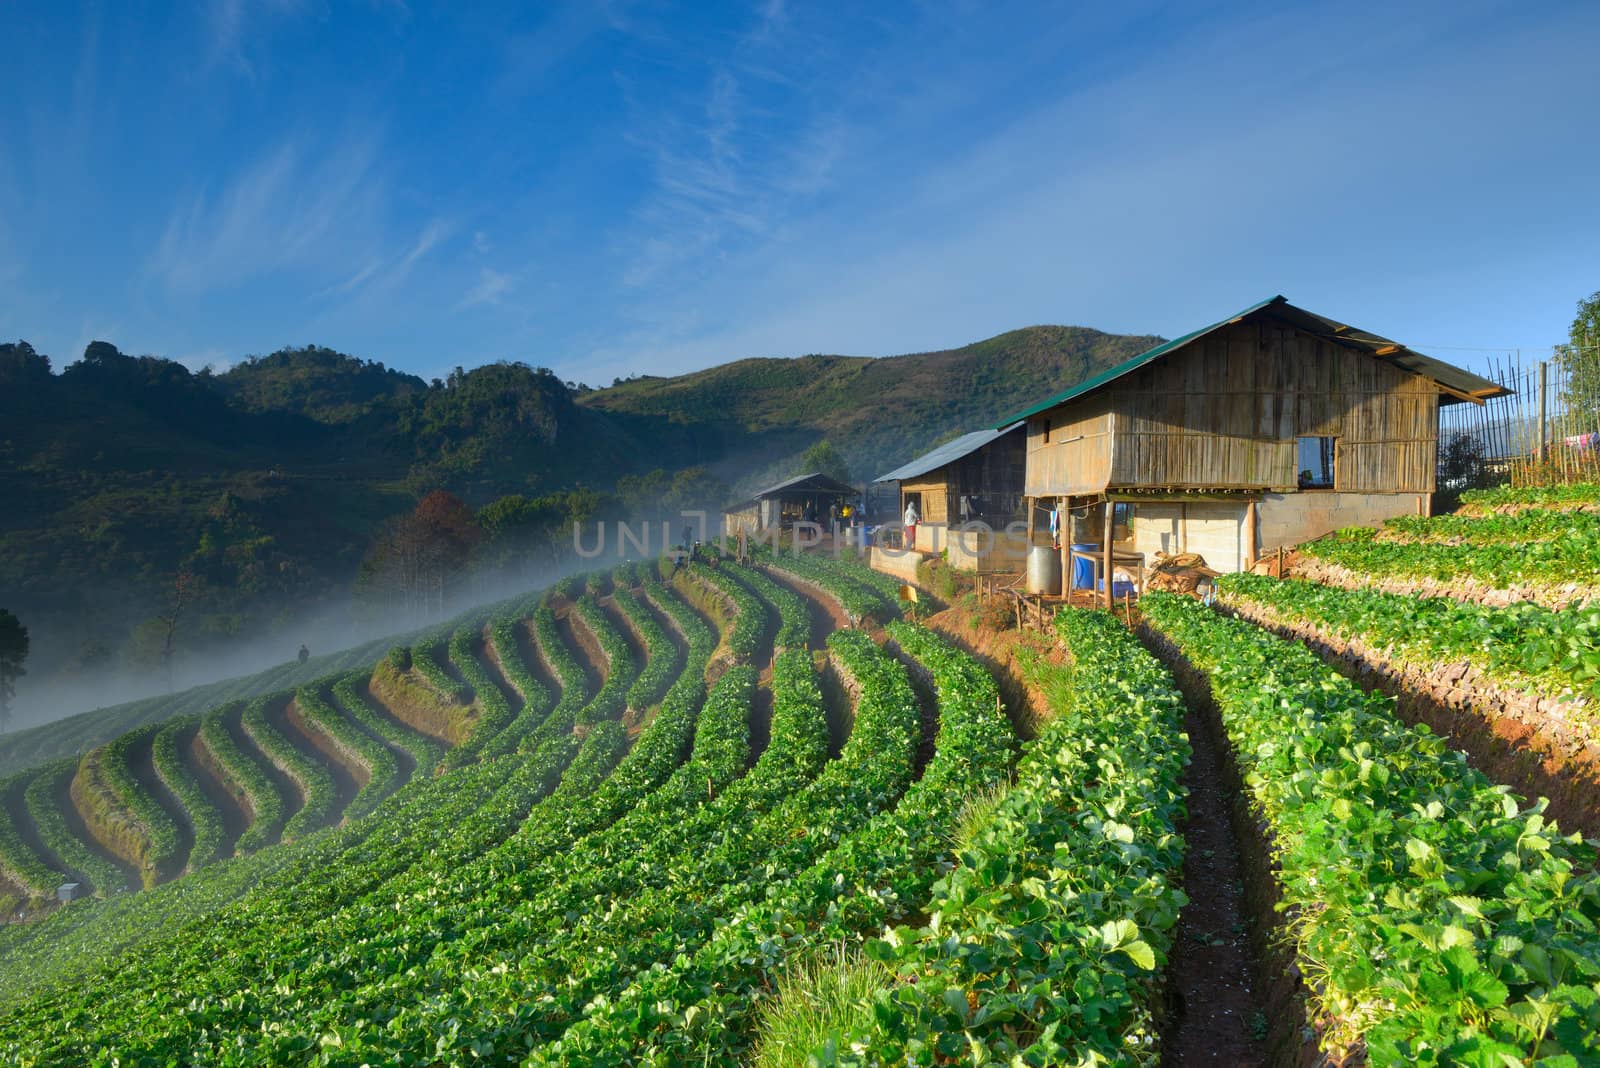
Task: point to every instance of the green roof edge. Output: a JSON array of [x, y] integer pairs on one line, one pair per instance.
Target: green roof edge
[[1133, 364]]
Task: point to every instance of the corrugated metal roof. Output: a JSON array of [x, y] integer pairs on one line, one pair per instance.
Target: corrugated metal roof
[[1454, 380], [814, 482], [949, 452]]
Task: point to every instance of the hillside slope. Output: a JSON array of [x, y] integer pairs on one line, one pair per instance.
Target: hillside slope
[[879, 412], [269, 482]]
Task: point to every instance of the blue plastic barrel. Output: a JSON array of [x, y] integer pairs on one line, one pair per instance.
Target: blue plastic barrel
[[1083, 569]]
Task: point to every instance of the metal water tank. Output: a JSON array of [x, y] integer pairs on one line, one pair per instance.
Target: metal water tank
[[1044, 570]]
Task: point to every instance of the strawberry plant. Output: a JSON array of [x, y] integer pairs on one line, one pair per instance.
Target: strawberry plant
[[1439, 918]]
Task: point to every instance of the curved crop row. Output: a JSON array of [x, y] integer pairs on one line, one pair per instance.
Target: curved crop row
[[860, 601], [24, 866], [661, 665], [536, 698], [383, 770], [43, 798], [703, 887], [495, 713], [853, 566], [545, 895], [339, 891], [429, 658], [585, 790], [205, 819], [423, 750], [1530, 525], [316, 785], [1090, 830], [1439, 921], [700, 1007], [1574, 557], [747, 614], [1525, 644], [124, 810], [612, 698], [794, 619], [260, 794]]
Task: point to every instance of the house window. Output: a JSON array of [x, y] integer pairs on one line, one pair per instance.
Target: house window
[[1047, 431], [1316, 456]]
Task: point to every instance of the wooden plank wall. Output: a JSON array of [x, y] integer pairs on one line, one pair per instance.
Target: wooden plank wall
[[1225, 413], [1063, 465], [935, 490]]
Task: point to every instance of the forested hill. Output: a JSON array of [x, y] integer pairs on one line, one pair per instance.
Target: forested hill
[[269, 483], [878, 412]]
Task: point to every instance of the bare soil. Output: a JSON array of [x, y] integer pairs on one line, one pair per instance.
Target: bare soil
[[1267, 995]]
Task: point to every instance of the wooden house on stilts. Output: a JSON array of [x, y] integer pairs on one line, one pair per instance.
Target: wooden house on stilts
[[1271, 427]]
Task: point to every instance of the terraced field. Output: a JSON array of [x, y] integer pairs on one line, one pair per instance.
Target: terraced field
[[750, 815]]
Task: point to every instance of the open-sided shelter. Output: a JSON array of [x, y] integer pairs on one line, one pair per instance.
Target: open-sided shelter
[[1271, 427], [779, 507]]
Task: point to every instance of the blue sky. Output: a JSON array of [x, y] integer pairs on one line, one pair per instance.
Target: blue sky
[[618, 188]]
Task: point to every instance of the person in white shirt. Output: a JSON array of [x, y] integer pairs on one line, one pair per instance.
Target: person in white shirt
[[911, 519]]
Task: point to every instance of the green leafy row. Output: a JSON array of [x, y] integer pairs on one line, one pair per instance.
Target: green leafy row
[[158, 840], [429, 658], [536, 698], [33, 875], [260, 794], [43, 798], [661, 666], [424, 751], [1572, 558], [1529, 525], [437, 895], [1496, 496], [205, 819], [383, 770], [1524, 644], [794, 618], [862, 602], [748, 613], [700, 1007], [495, 713], [1047, 940], [1438, 920], [628, 893], [622, 666], [315, 784]]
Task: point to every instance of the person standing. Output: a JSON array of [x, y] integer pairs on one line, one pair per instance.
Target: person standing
[[911, 518]]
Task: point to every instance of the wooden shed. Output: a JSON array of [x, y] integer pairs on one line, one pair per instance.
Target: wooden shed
[[1271, 427], [779, 507], [974, 477]]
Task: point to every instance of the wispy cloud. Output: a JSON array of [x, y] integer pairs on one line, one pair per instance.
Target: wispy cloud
[[734, 165], [491, 287], [229, 21], [288, 209]]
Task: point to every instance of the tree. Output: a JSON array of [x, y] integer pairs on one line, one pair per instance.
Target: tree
[[1580, 359], [422, 553], [825, 458], [13, 651]]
